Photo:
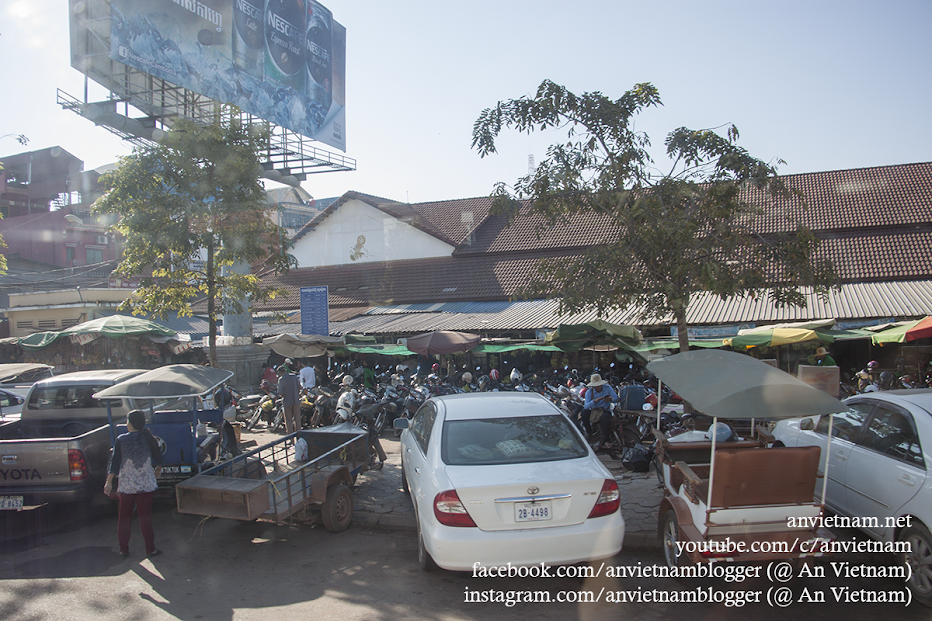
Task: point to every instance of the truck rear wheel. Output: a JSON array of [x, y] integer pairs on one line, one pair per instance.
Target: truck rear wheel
[[337, 511]]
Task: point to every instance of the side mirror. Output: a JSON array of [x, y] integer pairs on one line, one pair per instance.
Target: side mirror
[[400, 423], [807, 424]]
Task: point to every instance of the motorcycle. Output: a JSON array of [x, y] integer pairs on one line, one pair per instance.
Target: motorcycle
[[268, 407]]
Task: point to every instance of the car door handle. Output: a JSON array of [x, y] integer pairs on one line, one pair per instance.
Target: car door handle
[[840, 456], [417, 470], [408, 451], [906, 480]]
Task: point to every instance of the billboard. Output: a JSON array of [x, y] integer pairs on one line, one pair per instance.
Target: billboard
[[280, 60]]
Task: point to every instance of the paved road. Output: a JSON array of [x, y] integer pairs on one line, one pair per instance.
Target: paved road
[[60, 563], [218, 569]]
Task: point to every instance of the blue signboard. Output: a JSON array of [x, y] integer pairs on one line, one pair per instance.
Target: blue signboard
[[315, 313]]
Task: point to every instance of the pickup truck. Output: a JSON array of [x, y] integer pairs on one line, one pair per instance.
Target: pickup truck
[[60, 448]]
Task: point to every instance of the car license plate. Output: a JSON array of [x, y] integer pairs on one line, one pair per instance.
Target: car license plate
[[533, 511], [11, 502]]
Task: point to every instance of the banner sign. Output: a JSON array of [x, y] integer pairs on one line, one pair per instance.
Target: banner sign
[[82, 339], [315, 312], [281, 60]]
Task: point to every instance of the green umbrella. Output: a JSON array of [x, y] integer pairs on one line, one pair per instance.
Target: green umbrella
[[921, 328], [113, 327], [777, 336]]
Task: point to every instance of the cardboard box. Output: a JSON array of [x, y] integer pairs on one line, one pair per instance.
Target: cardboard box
[[825, 379]]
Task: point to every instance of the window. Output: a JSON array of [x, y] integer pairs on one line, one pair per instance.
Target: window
[[422, 424], [526, 439], [68, 397], [847, 424], [95, 255], [892, 433]]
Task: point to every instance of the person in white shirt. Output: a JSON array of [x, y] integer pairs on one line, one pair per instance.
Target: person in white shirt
[[308, 376]]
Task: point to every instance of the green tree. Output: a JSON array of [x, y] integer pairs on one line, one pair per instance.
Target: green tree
[[667, 235], [188, 208]]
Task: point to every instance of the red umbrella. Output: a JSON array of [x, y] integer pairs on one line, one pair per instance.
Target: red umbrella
[[442, 342], [921, 330]]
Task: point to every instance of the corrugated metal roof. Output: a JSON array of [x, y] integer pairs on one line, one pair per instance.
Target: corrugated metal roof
[[854, 301]]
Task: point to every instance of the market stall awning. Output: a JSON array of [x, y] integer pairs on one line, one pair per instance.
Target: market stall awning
[[654, 344], [488, 348], [573, 337], [777, 336], [376, 348], [911, 331], [302, 345], [113, 327]]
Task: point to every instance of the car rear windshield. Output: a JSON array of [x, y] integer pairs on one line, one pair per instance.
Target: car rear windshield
[[68, 397], [526, 439]]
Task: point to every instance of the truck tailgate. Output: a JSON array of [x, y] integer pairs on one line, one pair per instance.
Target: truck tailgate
[[27, 463]]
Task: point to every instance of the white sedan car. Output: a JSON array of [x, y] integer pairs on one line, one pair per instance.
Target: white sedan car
[[504, 477], [878, 468]]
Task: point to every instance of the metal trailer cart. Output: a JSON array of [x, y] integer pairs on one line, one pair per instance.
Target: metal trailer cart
[[270, 483], [740, 501]]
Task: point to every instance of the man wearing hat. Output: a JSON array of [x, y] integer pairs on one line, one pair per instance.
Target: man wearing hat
[[823, 359], [599, 397]]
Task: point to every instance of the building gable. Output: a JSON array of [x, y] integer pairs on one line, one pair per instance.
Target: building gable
[[358, 232]]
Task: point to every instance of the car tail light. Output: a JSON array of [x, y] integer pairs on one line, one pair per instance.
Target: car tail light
[[449, 511], [609, 500], [77, 466]]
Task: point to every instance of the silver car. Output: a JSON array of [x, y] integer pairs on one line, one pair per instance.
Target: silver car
[[878, 468]]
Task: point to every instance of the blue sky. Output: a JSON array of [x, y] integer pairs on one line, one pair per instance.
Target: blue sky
[[821, 85]]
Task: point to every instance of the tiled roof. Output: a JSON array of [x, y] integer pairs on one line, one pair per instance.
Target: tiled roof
[[886, 256], [873, 257], [456, 219], [860, 198]]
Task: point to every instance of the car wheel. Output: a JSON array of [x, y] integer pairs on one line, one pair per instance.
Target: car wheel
[[423, 556], [669, 536], [919, 559], [337, 511]]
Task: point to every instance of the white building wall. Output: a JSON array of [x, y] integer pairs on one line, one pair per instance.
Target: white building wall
[[358, 232]]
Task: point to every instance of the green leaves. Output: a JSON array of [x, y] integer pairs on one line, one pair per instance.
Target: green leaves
[[671, 234], [187, 208]]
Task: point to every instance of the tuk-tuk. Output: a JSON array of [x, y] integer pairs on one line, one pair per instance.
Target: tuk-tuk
[[740, 500]]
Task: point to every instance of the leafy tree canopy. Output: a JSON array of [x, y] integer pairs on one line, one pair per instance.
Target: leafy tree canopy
[[669, 234], [192, 212]]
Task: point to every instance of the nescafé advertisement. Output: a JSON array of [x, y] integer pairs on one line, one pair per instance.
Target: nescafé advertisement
[[281, 60]]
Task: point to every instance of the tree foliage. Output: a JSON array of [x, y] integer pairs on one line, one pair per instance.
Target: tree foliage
[[190, 208], [671, 234]]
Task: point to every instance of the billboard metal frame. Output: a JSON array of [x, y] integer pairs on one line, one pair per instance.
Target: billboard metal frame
[[290, 156]]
